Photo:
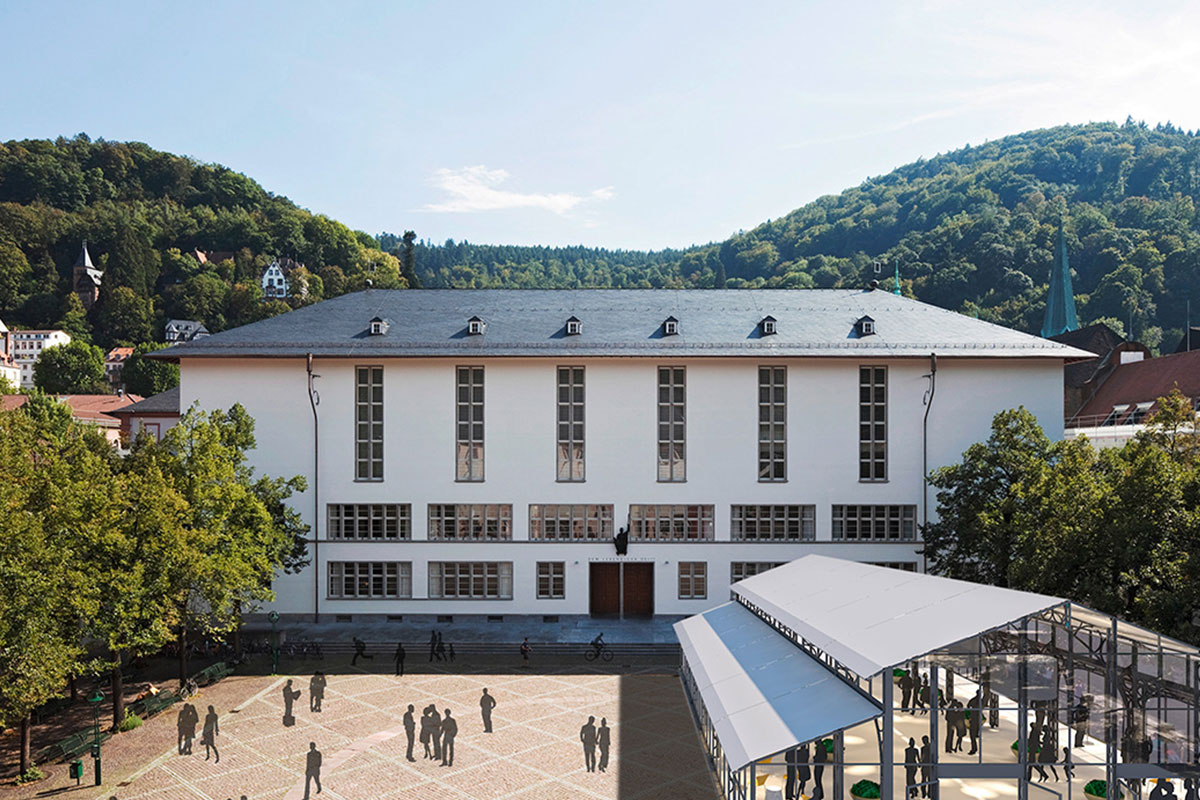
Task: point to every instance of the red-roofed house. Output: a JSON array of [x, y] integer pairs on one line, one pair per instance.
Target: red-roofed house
[[1117, 409], [86, 409]]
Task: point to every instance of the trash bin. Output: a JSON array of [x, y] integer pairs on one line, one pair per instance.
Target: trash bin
[[76, 770]]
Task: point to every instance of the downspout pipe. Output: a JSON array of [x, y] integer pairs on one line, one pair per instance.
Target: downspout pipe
[[929, 393], [314, 400]]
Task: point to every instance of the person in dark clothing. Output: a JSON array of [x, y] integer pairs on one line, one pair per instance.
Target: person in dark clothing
[[1068, 767], [451, 652], [1033, 751], [926, 766], [1191, 791], [426, 732], [974, 721], [906, 692], [441, 648], [525, 651], [435, 732], [911, 757], [820, 756], [316, 691], [360, 651], [208, 737], [399, 658], [603, 742], [486, 704], [803, 771], [188, 720], [923, 694], [312, 768], [960, 725], [410, 729], [433, 640], [1048, 755], [290, 696], [791, 758], [949, 717], [1080, 715], [587, 735], [449, 731]]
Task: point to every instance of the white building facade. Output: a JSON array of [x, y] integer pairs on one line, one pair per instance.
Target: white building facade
[[477, 452], [27, 347]]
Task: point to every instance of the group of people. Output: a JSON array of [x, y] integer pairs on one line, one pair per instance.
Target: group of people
[[594, 739], [438, 649], [316, 695], [799, 772], [186, 724], [437, 734]]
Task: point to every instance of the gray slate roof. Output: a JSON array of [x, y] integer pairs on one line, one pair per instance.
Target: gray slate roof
[[620, 322], [158, 404]]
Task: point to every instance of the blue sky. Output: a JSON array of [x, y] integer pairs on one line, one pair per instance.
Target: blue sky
[[624, 125]]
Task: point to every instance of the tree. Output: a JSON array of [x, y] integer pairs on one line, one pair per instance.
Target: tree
[[51, 417], [14, 270], [408, 260], [72, 368], [74, 319], [148, 376], [124, 316]]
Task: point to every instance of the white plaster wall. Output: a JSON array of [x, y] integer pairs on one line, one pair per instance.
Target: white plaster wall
[[620, 456]]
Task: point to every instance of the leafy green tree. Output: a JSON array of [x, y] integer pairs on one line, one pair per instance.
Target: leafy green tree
[[14, 270], [124, 316], [51, 417], [408, 260], [74, 319], [72, 368], [147, 376]]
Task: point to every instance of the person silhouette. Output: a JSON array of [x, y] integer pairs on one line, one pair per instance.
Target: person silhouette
[[187, 721], [906, 691], [316, 691], [791, 758], [1191, 791], [451, 652], [960, 725], [1048, 755], [923, 694], [486, 704], [1068, 767], [1033, 751], [433, 640], [312, 769], [1079, 719], [603, 741], [820, 756], [926, 766], [208, 737], [410, 727], [1163, 790], [587, 735], [435, 732], [911, 758], [441, 648], [426, 732], [525, 651], [290, 696], [803, 771], [360, 651], [974, 720], [449, 731], [399, 659]]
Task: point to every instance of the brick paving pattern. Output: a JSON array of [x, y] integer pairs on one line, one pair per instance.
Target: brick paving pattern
[[534, 752]]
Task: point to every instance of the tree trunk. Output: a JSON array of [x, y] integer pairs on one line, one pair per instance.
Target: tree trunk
[[74, 689], [26, 731], [118, 694], [183, 659]]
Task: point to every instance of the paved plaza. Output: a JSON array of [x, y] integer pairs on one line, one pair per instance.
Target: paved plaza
[[533, 753]]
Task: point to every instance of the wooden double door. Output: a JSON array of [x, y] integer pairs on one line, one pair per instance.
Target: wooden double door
[[622, 589]]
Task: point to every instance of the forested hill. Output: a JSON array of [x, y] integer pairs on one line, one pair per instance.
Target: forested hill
[[972, 230]]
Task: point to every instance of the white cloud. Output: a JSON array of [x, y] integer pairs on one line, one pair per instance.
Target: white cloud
[[477, 188]]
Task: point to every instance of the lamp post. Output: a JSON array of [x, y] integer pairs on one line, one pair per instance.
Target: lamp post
[[274, 617], [96, 699]]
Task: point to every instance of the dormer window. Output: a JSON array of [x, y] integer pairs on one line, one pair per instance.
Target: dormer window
[[767, 326], [378, 327], [670, 326], [865, 326], [475, 326], [574, 326]]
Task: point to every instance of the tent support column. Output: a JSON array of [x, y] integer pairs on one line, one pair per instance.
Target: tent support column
[[839, 770], [887, 756], [1112, 696], [1023, 711], [934, 742]]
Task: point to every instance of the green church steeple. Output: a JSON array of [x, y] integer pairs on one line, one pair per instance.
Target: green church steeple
[[1060, 302]]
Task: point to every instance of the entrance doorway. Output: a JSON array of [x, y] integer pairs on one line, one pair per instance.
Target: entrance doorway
[[621, 589]]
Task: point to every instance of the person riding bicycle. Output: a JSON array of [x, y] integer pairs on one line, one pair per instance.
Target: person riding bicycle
[[598, 643]]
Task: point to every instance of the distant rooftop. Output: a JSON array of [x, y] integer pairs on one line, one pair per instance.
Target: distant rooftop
[[161, 404], [621, 322]]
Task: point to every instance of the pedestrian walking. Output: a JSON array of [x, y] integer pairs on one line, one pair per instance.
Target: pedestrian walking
[[410, 728], [926, 766], [316, 691], [441, 648], [360, 651], [486, 704], [449, 731], [587, 735], [451, 652], [525, 651], [186, 726], [433, 641], [312, 769], [398, 657], [911, 758], [603, 741], [208, 736]]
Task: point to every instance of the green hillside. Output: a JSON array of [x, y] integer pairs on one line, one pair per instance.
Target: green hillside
[[971, 230]]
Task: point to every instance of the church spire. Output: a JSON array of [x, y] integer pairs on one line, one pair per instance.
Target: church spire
[[1060, 302], [84, 260]]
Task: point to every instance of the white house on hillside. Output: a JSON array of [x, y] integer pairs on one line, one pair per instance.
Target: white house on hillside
[[27, 347], [479, 450], [279, 282]]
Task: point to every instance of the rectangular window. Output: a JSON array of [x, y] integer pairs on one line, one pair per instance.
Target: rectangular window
[[693, 580], [370, 521], [551, 580], [772, 424], [773, 523], [478, 522], [370, 579], [471, 580], [872, 423], [570, 424], [875, 523], [368, 408], [670, 523], [571, 522], [469, 416], [903, 566], [740, 570], [672, 424]]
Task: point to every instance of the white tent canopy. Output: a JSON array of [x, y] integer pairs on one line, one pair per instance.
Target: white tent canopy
[[870, 618], [763, 693]]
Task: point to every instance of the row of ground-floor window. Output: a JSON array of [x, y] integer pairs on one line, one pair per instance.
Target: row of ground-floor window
[[594, 522], [493, 580]]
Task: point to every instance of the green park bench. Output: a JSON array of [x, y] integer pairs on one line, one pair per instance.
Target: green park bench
[[71, 747], [212, 674], [152, 704]]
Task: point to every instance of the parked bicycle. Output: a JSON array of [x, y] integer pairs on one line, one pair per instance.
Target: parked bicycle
[[188, 690]]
